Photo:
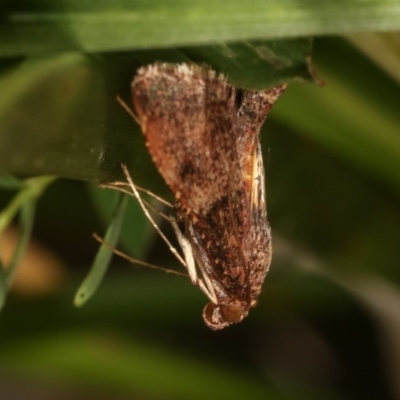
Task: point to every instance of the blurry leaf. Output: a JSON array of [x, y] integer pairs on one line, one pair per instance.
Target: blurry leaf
[[27, 217], [317, 290], [382, 299], [40, 26], [104, 255], [10, 182], [167, 312], [383, 48], [136, 232], [31, 190], [354, 117], [328, 205], [43, 103], [24, 202], [85, 357]]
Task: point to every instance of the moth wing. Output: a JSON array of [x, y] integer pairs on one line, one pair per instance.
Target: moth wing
[[186, 116], [256, 233]]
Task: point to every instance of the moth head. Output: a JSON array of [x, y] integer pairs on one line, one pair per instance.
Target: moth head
[[220, 316]]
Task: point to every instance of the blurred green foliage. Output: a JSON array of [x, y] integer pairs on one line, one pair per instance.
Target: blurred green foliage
[[328, 321]]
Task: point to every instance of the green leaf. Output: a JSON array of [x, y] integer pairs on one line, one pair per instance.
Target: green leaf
[[44, 101], [25, 203], [27, 218], [31, 190], [383, 48], [59, 114], [352, 117], [41, 26], [103, 256], [10, 182], [257, 64]]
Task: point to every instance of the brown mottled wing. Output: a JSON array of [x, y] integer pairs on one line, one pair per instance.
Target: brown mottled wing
[[202, 134], [256, 242], [189, 117], [185, 114], [233, 238]]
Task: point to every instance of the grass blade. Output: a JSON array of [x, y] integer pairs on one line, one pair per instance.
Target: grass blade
[[103, 257]]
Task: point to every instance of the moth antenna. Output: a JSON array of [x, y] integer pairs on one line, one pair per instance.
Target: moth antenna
[[157, 211], [129, 193], [115, 186], [119, 186], [150, 218], [127, 109], [136, 261], [158, 198]]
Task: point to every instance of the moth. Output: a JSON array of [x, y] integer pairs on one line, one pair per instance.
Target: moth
[[203, 136]]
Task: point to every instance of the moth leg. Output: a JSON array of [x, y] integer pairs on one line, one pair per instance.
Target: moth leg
[[158, 198], [187, 253], [128, 110], [135, 260], [204, 284], [189, 263], [149, 217], [117, 185]]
